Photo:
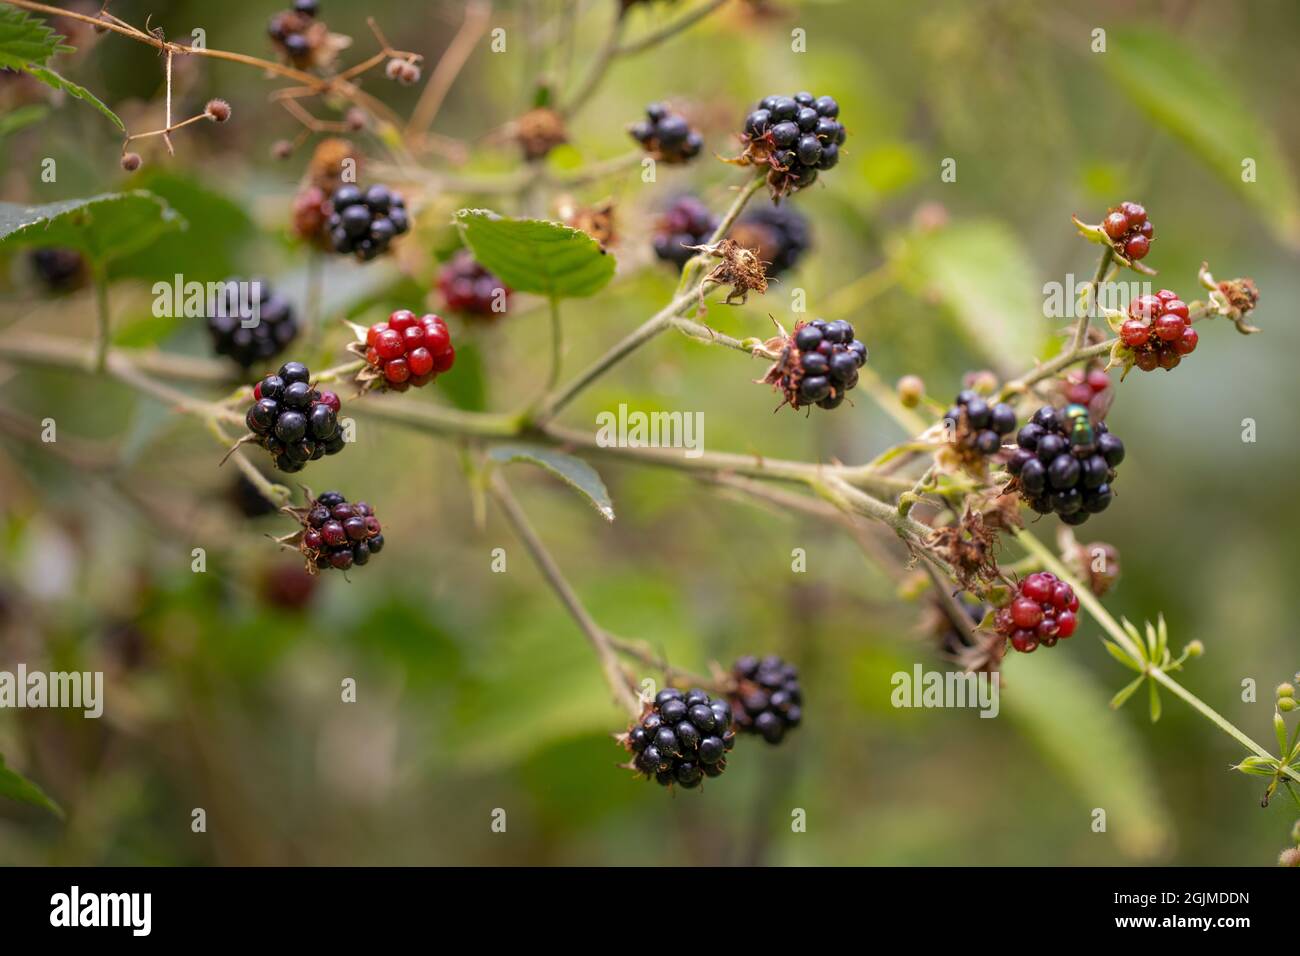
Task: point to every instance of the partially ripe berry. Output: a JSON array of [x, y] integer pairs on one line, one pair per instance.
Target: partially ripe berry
[[131, 162]]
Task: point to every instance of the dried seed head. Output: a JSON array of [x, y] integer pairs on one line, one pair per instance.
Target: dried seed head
[[282, 149], [539, 131], [739, 268], [131, 162], [217, 110], [355, 119]]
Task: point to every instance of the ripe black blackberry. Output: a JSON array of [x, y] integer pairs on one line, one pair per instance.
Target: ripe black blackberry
[[1065, 463], [336, 534], [364, 223], [779, 234], [296, 34], [683, 738], [61, 270], [228, 311], [795, 137], [767, 700], [818, 363], [976, 426], [666, 136], [687, 222], [293, 421]]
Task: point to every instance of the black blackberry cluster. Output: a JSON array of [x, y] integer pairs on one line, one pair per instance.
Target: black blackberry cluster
[[687, 222], [978, 426], [779, 234], [339, 535], [61, 270], [291, 31], [666, 135], [822, 365], [684, 738], [797, 136], [767, 700], [364, 223], [292, 420], [275, 326], [1065, 463]]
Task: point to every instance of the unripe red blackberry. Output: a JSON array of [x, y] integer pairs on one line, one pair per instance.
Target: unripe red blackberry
[[687, 222], [468, 288], [818, 363], [1158, 331], [363, 223], [336, 534], [293, 421], [1129, 230], [405, 351], [246, 332], [779, 234], [683, 737], [667, 136], [795, 137], [1065, 462], [767, 699], [1043, 610]]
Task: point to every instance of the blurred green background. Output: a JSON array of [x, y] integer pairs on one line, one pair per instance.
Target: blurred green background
[[476, 692]]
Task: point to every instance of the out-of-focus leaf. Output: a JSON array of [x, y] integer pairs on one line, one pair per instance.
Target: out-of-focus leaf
[[23, 116], [104, 227], [574, 471], [1183, 91], [14, 786], [55, 81], [1061, 708], [983, 275], [533, 255], [1127, 691], [1155, 702], [467, 388]]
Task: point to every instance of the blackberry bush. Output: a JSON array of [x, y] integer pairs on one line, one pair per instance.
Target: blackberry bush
[[336, 534], [687, 222], [1129, 230], [1158, 331], [796, 137], [977, 426], [779, 234], [364, 223], [817, 364], [1043, 610], [1065, 463], [666, 135], [293, 421], [248, 345], [406, 351], [683, 738], [468, 288], [767, 699]]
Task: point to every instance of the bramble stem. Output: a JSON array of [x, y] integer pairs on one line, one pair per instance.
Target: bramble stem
[[103, 319], [1081, 330]]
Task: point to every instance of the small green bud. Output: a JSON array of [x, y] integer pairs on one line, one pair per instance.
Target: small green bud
[[910, 390], [1195, 649], [1285, 690], [1286, 705]]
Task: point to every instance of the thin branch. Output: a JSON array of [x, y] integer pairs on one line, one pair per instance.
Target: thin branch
[[452, 61], [682, 23]]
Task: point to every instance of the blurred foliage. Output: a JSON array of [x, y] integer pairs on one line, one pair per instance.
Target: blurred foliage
[[475, 690]]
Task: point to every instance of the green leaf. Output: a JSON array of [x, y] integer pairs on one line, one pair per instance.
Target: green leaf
[[104, 227], [1183, 91], [54, 80], [573, 470], [24, 116], [15, 786], [1155, 702], [1258, 766], [983, 275], [1279, 728], [25, 39], [1127, 691], [532, 255], [1060, 706], [1121, 655]]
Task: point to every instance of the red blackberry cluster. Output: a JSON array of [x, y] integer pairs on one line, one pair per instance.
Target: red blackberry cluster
[[469, 288], [272, 321], [767, 700], [779, 234], [1128, 228], [1065, 463], [687, 222], [295, 32], [818, 364], [796, 136], [1044, 610], [293, 421], [977, 426], [61, 270], [1088, 387], [666, 136], [406, 351], [337, 534], [364, 223], [682, 739], [1158, 331]]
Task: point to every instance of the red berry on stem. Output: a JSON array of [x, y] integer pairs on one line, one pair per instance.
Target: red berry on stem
[[1066, 622], [1136, 214], [414, 337], [442, 361], [373, 333], [1134, 333], [1169, 327], [1098, 380], [1116, 225], [401, 320], [1137, 247], [1145, 307], [1036, 588], [1185, 344], [420, 360], [1025, 612], [331, 400], [1169, 360], [1177, 307], [397, 371], [389, 345], [1147, 361]]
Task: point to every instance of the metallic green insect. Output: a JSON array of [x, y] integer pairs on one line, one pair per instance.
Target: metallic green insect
[[1081, 433]]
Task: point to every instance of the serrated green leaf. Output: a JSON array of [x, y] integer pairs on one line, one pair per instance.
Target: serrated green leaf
[[1127, 691], [984, 277], [14, 786], [1121, 655], [1060, 706], [533, 255], [1183, 91], [574, 471], [103, 227], [25, 39], [1155, 702], [55, 81]]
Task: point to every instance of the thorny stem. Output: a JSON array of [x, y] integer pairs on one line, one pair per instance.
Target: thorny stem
[[615, 677]]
